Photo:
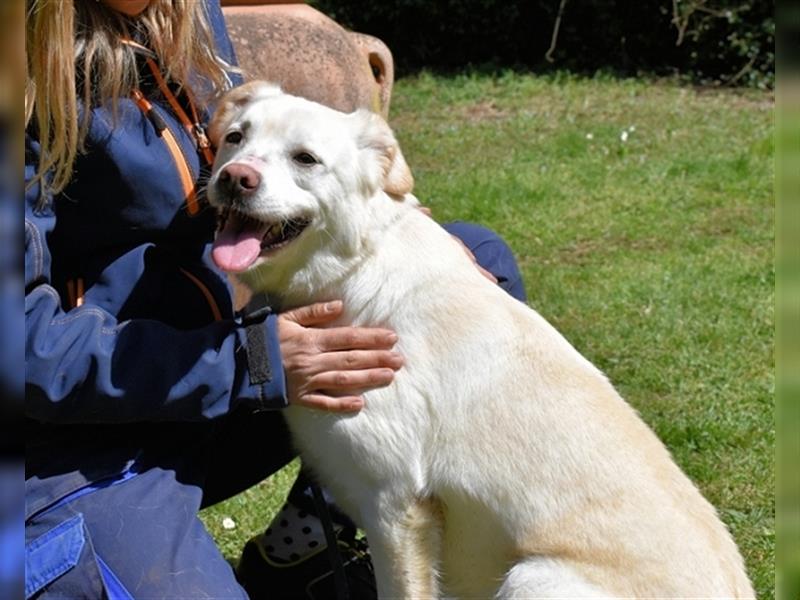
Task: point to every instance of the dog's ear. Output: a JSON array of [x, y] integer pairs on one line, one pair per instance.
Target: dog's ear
[[232, 102], [376, 136], [397, 179]]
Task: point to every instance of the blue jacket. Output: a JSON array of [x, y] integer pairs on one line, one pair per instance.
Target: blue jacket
[[127, 319]]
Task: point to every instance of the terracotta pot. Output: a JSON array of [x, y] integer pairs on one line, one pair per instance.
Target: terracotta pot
[[311, 55]]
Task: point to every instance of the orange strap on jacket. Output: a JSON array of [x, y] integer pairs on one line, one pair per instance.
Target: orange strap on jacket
[[192, 125], [187, 181]]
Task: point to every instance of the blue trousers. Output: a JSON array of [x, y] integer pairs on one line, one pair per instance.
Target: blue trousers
[[136, 533]]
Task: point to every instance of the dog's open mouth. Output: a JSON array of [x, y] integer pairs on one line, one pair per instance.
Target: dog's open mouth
[[241, 239]]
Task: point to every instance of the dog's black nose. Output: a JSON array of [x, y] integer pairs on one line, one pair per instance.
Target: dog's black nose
[[238, 179]]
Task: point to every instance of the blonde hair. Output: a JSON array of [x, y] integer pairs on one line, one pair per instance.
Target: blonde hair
[[75, 49]]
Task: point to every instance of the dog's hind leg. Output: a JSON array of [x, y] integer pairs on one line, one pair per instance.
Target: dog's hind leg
[[406, 552], [539, 577]]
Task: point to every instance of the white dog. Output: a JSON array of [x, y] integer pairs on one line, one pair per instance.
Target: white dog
[[500, 462]]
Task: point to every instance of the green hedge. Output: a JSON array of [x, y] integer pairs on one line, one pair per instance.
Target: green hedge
[[705, 41]]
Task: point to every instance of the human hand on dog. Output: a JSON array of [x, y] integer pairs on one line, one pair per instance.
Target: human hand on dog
[[327, 368]]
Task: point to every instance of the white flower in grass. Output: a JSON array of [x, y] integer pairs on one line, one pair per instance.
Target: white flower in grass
[[228, 523], [589, 136], [623, 137]]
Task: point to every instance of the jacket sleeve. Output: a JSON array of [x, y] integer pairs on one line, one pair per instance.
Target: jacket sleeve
[[84, 366]]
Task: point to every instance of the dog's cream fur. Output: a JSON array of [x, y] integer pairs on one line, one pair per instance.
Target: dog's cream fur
[[500, 463]]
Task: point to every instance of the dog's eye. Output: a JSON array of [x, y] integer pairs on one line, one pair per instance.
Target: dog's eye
[[304, 158], [234, 137]]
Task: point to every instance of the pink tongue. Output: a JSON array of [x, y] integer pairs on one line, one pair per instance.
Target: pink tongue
[[236, 250]]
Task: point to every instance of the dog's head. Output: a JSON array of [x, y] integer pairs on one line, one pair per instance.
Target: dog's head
[[293, 179]]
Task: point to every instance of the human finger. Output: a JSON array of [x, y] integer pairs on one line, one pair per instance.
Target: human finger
[[351, 381], [355, 338], [314, 314], [320, 401], [354, 360]]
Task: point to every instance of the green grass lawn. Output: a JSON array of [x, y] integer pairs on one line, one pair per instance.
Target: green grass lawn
[[641, 214]]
